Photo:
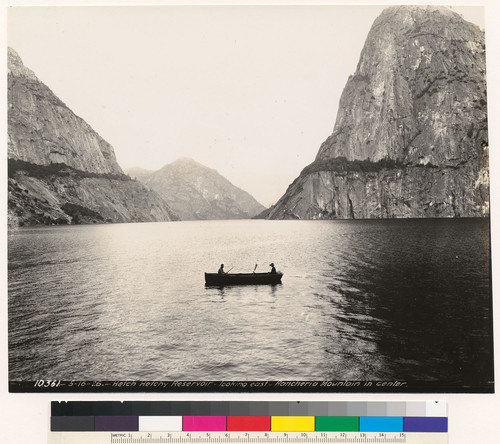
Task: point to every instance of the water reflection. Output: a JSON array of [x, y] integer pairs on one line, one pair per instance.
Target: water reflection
[[358, 300], [407, 304]]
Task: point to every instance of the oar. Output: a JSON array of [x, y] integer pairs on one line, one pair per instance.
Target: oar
[[229, 270], [255, 268]]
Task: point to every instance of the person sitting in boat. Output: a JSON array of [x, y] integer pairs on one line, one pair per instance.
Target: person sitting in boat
[[221, 269], [273, 270]]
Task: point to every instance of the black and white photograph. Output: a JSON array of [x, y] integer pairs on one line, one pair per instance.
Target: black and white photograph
[[249, 198]]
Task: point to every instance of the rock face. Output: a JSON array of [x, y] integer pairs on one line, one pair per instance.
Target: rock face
[[196, 192], [411, 135], [60, 170]]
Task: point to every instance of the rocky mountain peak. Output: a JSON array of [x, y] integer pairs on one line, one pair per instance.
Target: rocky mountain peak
[[419, 91], [44, 131], [15, 66], [60, 170], [185, 161], [411, 134], [405, 17], [188, 166], [195, 191]]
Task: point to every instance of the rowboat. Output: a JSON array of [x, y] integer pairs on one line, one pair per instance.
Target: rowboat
[[243, 279]]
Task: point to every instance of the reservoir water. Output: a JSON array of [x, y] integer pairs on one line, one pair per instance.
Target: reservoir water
[[360, 300]]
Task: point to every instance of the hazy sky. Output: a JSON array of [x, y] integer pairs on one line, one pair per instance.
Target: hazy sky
[[251, 91]]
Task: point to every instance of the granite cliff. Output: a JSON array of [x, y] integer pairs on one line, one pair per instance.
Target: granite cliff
[[60, 170], [196, 192], [411, 134]]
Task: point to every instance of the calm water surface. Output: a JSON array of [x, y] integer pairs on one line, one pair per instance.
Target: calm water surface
[[390, 299]]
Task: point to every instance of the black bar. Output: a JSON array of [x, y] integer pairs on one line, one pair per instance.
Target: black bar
[[183, 408]]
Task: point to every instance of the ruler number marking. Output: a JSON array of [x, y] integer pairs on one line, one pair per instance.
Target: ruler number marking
[[258, 438]]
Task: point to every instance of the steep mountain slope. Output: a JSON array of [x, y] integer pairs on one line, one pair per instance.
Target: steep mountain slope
[[60, 170], [411, 135], [196, 192]]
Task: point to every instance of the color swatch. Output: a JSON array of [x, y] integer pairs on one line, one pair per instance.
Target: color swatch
[[217, 417]]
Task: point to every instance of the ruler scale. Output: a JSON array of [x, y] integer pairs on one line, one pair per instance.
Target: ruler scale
[[292, 437]]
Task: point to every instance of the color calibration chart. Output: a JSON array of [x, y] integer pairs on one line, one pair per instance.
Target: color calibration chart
[[237, 422]]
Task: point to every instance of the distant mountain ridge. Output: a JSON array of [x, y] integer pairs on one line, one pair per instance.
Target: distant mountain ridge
[[411, 134], [60, 170], [196, 192], [139, 173]]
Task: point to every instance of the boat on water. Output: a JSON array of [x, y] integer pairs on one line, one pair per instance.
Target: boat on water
[[217, 279]]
